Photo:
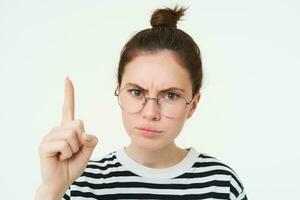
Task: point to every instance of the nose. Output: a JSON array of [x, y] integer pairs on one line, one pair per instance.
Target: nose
[[151, 109]]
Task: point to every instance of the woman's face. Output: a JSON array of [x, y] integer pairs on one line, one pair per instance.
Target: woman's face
[[155, 72]]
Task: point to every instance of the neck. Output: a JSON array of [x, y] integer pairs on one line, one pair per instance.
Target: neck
[[160, 158]]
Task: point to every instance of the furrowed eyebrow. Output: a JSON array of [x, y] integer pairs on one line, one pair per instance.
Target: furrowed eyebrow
[[164, 90]]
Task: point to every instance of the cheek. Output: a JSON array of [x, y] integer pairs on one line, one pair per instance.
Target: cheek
[[127, 122], [174, 125]]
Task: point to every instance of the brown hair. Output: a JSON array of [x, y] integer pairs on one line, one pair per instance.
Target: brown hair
[[164, 35]]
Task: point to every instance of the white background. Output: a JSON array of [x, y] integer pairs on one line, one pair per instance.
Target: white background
[[248, 116]]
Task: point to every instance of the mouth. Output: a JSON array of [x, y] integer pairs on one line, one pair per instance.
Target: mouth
[[148, 132]]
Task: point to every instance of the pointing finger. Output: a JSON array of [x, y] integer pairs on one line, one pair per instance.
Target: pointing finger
[[68, 107]]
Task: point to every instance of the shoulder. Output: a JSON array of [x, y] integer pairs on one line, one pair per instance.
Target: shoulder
[[106, 159], [214, 166], [107, 166], [206, 160], [102, 164]]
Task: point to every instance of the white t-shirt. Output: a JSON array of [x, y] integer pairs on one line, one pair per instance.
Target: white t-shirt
[[117, 176]]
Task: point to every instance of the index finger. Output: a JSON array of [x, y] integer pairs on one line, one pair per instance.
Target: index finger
[[68, 107]]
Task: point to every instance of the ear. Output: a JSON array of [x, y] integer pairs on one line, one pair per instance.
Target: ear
[[194, 105], [116, 88]]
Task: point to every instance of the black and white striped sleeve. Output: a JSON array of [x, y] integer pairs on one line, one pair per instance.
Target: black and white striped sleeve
[[237, 191], [67, 194]]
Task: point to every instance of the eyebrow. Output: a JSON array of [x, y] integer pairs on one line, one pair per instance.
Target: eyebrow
[[163, 90]]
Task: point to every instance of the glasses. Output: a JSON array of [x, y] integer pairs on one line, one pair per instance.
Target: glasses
[[171, 103]]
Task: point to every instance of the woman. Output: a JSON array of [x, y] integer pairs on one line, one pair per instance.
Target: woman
[[159, 78]]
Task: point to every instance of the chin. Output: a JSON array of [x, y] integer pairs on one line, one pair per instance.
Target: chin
[[148, 144]]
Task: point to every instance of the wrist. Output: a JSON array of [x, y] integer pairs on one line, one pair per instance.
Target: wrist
[[45, 193]]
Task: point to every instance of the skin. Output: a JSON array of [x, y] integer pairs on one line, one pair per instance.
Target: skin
[[154, 72], [65, 151]]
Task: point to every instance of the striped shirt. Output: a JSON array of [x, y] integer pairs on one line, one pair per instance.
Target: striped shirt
[[117, 176]]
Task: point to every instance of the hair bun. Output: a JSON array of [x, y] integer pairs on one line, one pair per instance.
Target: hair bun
[[167, 17]]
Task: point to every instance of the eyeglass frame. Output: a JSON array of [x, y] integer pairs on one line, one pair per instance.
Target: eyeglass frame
[[149, 98]]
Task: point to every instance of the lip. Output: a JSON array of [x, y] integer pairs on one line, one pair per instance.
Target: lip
[[149, 132]]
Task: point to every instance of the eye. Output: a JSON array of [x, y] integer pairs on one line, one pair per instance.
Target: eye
[[171, 96], [135, 92]]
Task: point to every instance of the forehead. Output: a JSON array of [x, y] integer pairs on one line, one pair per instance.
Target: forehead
[[156, 71]]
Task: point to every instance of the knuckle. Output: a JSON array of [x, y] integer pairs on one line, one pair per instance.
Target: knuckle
[[71, 133], [75, 149], [41, 147], [96, 140], [47, 137], [64, 145], [54, 129], [68, 153], [79, 123]]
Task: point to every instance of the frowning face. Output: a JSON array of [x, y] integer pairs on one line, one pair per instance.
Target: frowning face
[[152, 74]]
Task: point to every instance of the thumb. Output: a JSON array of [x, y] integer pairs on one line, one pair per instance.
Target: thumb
[[89, 143]]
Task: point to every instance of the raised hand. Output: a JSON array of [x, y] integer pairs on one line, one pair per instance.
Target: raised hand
[[64, 151]]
